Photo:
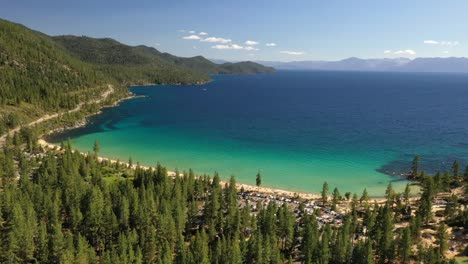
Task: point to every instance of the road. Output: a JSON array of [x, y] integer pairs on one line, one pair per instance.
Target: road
[[47, 117]]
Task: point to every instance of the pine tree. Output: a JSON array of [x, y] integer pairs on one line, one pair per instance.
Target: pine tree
[[181, 252], [465, 174], [324, 193], [310, 239], [233, 254], [455, 169], [446, 180], [199, 249], [386, 246], [336, 198], [451, 206], [364, 196], [369, 252], [441, 239], [340, 252], [406, 194], [94, 216], [425, 208], [405, 245], [415, 166], [286, 221], [42, 248], [258, 180], [389, 193], [324, 254], [96, 147]]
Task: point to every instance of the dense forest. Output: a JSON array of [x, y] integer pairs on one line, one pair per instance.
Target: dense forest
[[108, 52], [40, 74], [128, 65], [37, 76], [66, 207]]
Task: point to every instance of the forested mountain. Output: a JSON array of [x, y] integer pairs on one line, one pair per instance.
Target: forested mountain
[[41, 74], [109, 53], [37, 76], [128, 65], [35, 70]]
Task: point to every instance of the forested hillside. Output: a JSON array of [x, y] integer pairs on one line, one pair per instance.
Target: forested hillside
[[65, 207], [39, 77], [36, 75], [41, 74], [128, 65], [115, 58]]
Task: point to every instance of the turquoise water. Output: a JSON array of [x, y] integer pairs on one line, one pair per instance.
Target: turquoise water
[[354, 130]]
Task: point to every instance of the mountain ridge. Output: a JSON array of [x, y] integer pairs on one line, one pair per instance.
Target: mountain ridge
[[109, 53], [433, 64], [43, 74]]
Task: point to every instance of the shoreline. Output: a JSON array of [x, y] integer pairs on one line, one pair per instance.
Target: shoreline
[[51, 116], [239, 186], [247, 187], [162, 84], [84, 121]]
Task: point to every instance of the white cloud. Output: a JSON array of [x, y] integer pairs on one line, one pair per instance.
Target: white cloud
[[216, 40], [387, 52], [251, 42], [446, 52], [227, 47], [442, 43], [250, 48], [233, 47], [157, 44], [292, 52], [192, 37], [203, 33], [270, 44], [191, 32], [221, 47], [405, 52], [431, 42], [195, 47], [236, 47], [449, 43]]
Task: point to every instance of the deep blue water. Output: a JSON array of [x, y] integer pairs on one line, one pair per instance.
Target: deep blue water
[[298, 128]]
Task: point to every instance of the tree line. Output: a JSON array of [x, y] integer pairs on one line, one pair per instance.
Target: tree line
[[65, 207]]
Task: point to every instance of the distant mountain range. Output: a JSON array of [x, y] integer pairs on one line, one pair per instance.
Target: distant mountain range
[[398, 64]]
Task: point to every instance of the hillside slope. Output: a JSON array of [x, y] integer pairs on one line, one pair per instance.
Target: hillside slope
[[127, 65], [36, 71], [37, 77], [112, 55], [40, 74]]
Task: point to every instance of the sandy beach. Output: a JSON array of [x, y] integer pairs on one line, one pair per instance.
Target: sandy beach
[[239, 186]]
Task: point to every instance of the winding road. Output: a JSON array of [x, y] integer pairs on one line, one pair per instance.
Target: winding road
[[47, 117]]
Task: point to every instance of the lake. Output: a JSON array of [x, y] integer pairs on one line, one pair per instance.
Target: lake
[[354, 130]]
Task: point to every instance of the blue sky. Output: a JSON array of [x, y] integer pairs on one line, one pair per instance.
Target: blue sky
[[294, 29]]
